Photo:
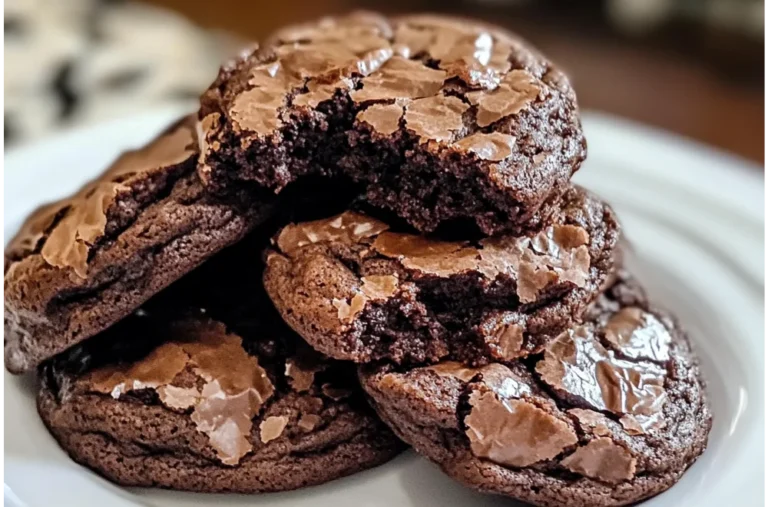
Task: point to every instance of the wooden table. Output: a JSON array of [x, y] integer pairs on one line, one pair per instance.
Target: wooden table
[[669, 89]]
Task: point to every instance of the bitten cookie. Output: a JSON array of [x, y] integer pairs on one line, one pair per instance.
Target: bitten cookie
[[184, 402], [358, 291], [612, 412], [437, 119], [80, 264]]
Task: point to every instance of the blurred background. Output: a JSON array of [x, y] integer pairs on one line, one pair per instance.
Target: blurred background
[[694, 67]]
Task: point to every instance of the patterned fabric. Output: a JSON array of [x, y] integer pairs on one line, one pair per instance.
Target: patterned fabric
[[74, 62]]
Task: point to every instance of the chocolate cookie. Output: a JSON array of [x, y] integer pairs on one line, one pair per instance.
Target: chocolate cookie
[[437, 119], [612, 412], [185, 402], [79, 265], [358, 291]]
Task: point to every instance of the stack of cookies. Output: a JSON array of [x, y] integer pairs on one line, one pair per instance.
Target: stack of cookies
[[365, 238]]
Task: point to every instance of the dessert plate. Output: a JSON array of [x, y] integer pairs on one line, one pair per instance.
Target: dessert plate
[[694, 217]]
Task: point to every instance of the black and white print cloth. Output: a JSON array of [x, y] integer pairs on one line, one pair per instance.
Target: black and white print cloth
[[75, 62]]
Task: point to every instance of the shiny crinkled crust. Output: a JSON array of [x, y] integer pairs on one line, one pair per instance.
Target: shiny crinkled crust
[[519, 429], [80, 264], [190, 405], [438, 119], [356, 290]]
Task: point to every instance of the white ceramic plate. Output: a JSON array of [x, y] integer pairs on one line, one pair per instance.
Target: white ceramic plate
[[695, 217]]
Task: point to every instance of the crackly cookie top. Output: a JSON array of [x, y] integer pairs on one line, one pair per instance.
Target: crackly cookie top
[[230, 386], [585, 406], [584, 367], [588, 381], [579, 366], [65, 232], [444, 80], [206, 371]]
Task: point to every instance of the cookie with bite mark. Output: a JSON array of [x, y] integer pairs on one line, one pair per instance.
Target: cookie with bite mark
[[440, 120]]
